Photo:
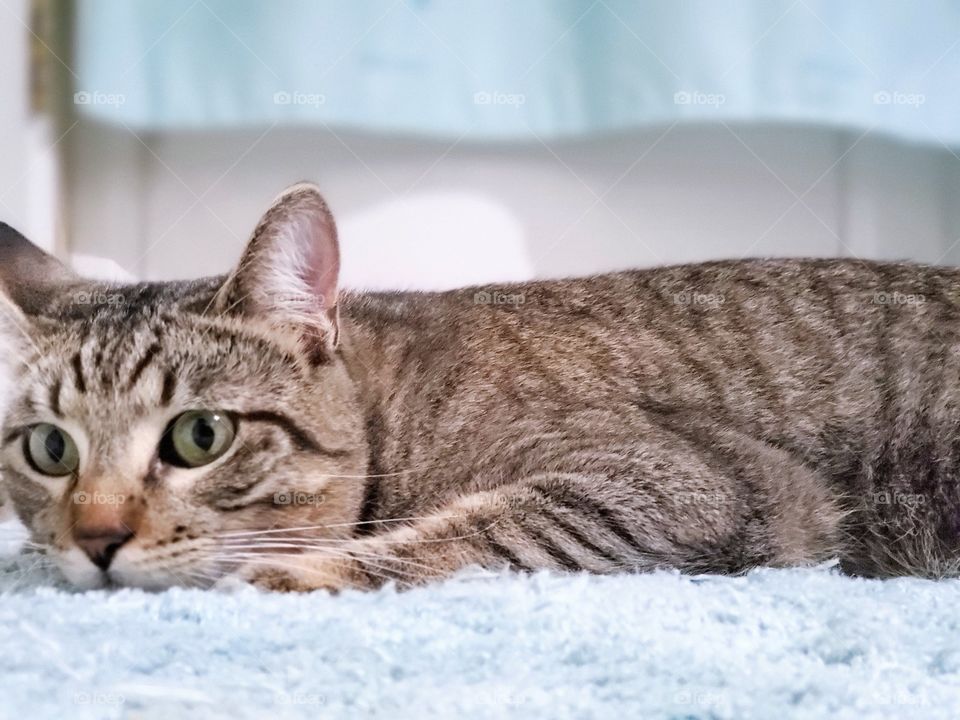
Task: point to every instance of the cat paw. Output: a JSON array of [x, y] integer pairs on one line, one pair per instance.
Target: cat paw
[[298, 574]]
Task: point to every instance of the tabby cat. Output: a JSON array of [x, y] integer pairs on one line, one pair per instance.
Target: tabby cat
[[264, 426]]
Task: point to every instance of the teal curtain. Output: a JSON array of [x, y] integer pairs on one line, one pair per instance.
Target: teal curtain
[[509, 69]]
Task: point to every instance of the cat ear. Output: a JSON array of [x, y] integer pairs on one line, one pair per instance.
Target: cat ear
[[289, 270], [28, 275], [29, 278], [15, 328]]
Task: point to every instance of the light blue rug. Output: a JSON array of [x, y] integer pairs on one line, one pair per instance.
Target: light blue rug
[[773, 644]]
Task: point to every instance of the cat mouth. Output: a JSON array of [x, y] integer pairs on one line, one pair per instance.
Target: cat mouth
[[155, 575], [154, 583], [114, 578], [110, 583]]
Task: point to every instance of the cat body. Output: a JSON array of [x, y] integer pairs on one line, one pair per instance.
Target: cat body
[[710, 418]]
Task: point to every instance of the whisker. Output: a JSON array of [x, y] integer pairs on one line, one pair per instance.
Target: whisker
[[412, 518], [386, 540], [204, 579], [27, 545], [331, 552], [334, 552], [380, 475], [267, 562]]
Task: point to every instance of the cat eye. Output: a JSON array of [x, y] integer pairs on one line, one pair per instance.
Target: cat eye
[[50, 450], [196, 438]]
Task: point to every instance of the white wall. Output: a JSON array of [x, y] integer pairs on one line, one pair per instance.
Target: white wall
[[29, 152], [417, 213], [13, 161], [14, 113]]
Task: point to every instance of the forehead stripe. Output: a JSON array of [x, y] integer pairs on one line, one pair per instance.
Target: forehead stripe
[[143, 364], [169, 386], [78, 380], [53, 399], [298, 435]]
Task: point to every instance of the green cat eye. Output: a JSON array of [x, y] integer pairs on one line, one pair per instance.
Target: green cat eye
[[50, 450], [196, 438]]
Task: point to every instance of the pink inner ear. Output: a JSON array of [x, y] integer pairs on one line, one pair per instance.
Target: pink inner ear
[[322, 268]]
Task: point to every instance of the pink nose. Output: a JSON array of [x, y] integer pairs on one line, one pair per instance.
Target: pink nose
[[101, 544]]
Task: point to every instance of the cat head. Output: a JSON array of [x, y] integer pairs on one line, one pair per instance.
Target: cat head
[[158, 433]]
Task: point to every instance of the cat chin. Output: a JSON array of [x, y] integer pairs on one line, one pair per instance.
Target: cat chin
[[84, 575], [79, 571], [152, 581]]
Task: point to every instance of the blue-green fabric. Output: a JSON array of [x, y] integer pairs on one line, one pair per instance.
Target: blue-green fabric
[[517, 68]]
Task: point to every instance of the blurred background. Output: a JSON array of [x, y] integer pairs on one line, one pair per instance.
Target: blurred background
[[463, 141]]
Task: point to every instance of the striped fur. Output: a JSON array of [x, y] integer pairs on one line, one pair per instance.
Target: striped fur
[[711, 418]]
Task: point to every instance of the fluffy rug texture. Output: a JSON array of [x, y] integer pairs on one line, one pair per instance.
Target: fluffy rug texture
[[772, 644]]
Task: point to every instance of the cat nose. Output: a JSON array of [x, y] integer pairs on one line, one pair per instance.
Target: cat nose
[[101, 544]]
